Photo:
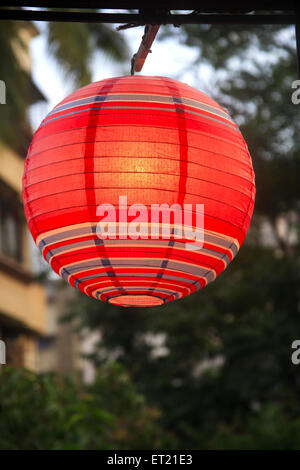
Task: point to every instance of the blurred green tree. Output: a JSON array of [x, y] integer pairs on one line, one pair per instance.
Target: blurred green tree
[[54, 413], [225, 353]]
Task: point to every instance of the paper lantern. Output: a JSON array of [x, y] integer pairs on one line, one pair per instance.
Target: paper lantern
[[151, 143]]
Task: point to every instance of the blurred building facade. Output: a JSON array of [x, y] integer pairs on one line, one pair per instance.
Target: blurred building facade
[[22, 298], [31, 311], [63, 349]]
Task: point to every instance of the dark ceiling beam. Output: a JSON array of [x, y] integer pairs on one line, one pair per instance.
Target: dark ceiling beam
[[238, 15], [213, 5], [142, 18]]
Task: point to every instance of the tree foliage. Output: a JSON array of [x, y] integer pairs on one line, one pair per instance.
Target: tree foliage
[[54, 413], [223, 377]]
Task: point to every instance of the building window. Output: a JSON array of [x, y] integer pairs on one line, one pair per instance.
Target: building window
[[11, 232]]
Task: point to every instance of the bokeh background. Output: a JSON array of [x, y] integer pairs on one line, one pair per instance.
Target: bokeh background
[[211, 371]]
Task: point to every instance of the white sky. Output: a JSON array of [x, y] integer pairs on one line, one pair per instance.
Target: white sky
[[168, 58]]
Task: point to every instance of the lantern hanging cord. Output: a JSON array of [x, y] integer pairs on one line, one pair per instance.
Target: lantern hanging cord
[[150, 32], [138, 59]]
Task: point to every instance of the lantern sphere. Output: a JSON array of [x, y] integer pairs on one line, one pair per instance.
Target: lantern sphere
[[138, 190]]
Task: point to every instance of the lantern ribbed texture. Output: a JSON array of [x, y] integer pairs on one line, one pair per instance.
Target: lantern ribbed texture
[[153, 140]]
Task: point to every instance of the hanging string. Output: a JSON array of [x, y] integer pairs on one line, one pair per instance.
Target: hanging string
[[138, 59]]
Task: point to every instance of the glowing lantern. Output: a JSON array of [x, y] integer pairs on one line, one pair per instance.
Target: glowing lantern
[[107, 162]]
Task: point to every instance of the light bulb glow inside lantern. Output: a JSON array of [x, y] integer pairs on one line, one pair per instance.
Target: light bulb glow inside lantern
[[147, 141]]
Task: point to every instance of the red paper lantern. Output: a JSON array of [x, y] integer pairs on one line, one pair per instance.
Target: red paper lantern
[[145, 141]]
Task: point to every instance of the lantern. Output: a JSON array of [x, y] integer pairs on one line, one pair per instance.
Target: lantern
[[138, 190]]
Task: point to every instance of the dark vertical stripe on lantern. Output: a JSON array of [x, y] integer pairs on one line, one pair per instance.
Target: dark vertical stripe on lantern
[[89, 176], [183, 155], [183, 141]]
